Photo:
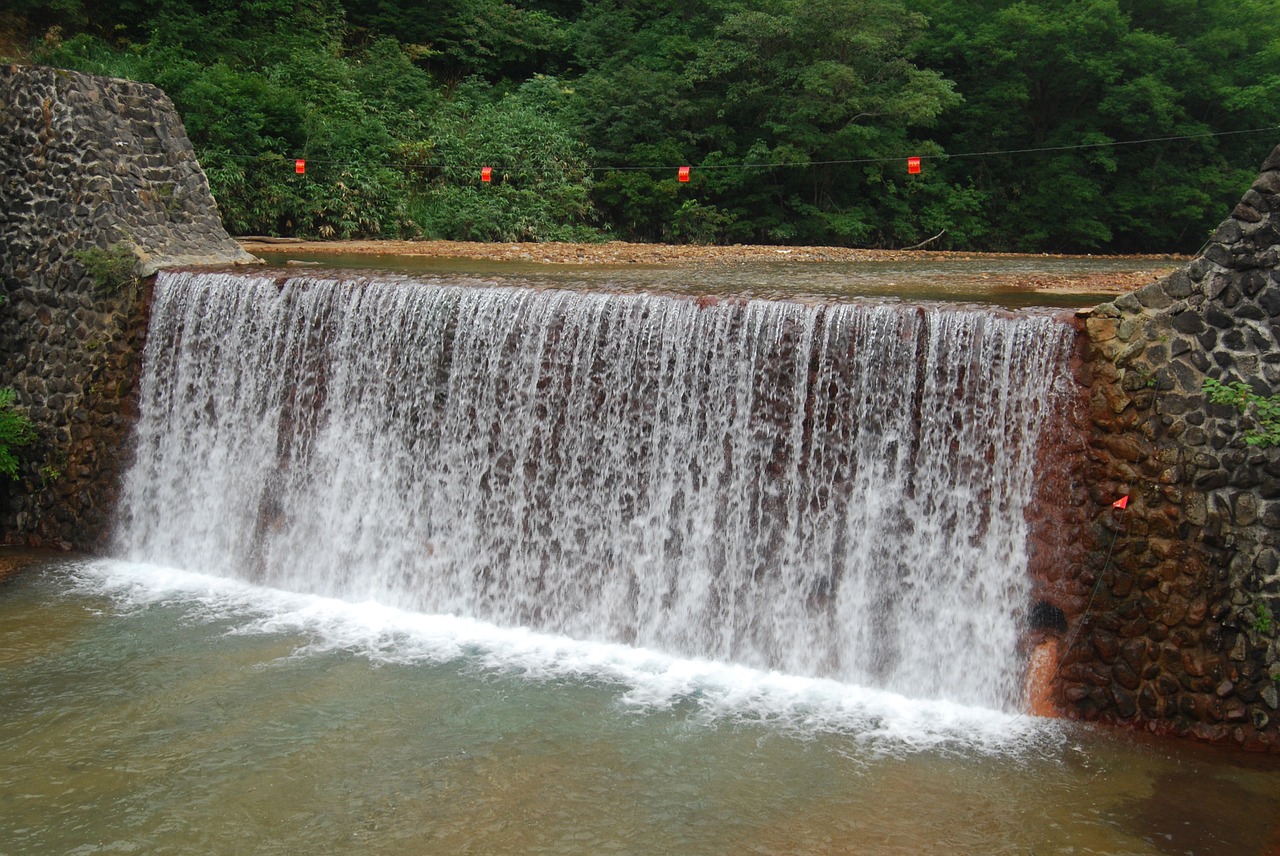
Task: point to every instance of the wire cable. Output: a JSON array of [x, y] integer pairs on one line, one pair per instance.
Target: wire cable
[[746, 165]]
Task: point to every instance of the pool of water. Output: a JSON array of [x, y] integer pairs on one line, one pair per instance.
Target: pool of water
[[151, 710], [1002, 281]]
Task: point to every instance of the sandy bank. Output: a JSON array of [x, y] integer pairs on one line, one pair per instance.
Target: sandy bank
[[1144, 269]]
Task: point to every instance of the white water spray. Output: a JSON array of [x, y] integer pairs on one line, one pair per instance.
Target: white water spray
[[831, 491]]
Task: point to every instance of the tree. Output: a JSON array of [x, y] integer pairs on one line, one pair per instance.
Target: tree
[[795, 116], [1061, 86], [541, 181], [459, 38], [807, 95]]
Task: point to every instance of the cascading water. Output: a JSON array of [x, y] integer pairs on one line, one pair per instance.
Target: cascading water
[[823, 490]]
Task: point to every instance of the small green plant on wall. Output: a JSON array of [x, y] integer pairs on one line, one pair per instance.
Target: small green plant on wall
[[1146, 378], [1265, 409], [15, 431], [111, 269], [1264, 622]]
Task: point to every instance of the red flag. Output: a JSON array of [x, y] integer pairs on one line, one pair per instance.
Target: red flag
[[486, 174], [299, 166], [683, 173], [913, 166], [1122, 502]]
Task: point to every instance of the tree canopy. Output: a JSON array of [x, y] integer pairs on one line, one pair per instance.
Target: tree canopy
[[1043, 125]]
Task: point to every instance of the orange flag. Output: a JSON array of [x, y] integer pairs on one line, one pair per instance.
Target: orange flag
[[1122, 502]]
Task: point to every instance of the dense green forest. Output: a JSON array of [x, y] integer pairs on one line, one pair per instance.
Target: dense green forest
[[1042, 125]]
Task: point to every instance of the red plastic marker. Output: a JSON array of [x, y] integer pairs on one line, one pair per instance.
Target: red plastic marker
[[684, 173], [1122, 502], [913, 166], [300, 166], [486, 174]]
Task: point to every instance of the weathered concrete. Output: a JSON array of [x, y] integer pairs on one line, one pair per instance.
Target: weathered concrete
[[85, 162], [1181, 636]]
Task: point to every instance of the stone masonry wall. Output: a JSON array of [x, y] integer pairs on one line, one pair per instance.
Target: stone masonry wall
[[85, 162], [1182, 588]]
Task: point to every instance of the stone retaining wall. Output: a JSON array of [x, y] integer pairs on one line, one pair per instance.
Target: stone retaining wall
[[1181, 634], [85, 163]]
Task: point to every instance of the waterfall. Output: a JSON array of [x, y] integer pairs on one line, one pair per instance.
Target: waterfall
[[832, 491]]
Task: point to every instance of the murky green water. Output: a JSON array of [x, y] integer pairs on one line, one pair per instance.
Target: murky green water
[[149, 713], [1003, 281]]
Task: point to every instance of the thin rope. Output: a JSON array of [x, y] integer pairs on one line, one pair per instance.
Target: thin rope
[[761, 165], [1084, 616]]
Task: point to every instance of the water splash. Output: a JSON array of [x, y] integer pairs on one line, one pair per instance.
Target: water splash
[[833, 491]]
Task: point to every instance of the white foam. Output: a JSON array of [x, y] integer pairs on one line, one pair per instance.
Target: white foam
[[644, 680], [830, 491]]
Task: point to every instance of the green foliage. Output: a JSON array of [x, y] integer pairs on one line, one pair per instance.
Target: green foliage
[[795, 115], [265, 196], [790, 87], [700, 224], [1264, 410], [1264, 620], [16, 431], [456, 38], [541, 182], [1055, 82], [112, 268]]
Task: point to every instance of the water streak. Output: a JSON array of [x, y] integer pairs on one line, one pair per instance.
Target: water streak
[[834, 491]]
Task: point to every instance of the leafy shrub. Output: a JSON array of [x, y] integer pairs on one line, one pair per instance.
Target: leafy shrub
[[541, 188], [700, 224], [264, 196], [111, 268], [15, 431], [1265, 410]]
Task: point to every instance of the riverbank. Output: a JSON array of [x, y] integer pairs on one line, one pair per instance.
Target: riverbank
[[16, 559], [1144, 269]]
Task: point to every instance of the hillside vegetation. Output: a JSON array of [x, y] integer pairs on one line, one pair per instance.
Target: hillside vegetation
[[1042, 125]]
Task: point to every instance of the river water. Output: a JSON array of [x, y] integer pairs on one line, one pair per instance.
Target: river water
[[152, 710], [408, 566]]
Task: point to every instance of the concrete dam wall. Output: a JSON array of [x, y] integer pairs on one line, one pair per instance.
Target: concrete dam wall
[[1161, 615]]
